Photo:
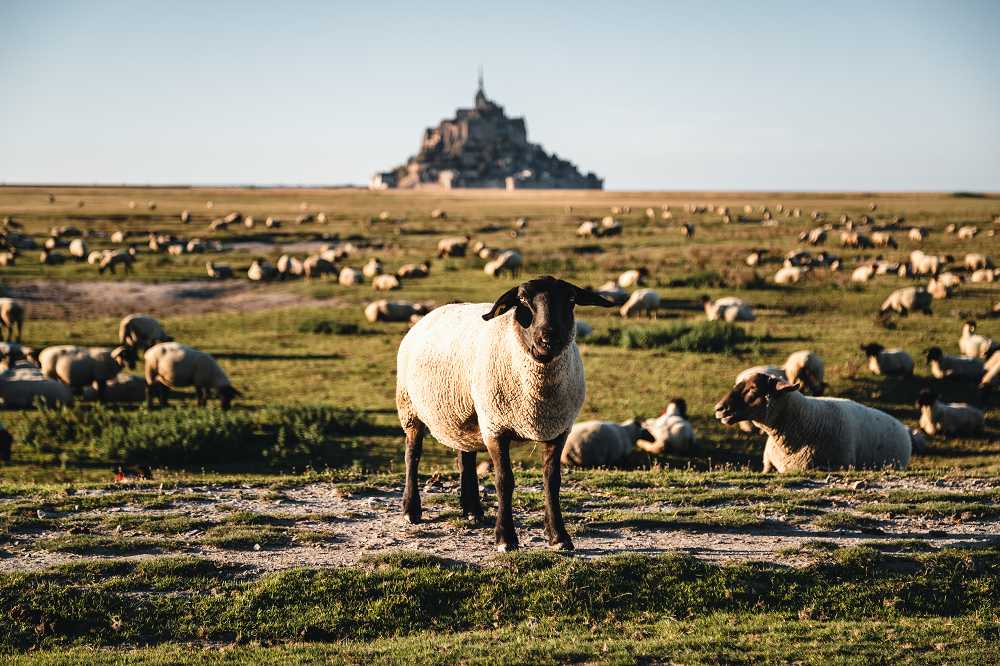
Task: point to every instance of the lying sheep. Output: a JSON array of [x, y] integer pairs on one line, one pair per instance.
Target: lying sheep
[[289, 267], [261, 270], [755, 258], [385, 282], [123, 389], [78, 367], [414, 270], [393, 311], [975, 345], [975, 261], [907, 300], [350, 276], [948, 419], [611, 227], [967, 232], [790, 274], [171, 365], [884, 239], [477, 386], [588, 229], [218, 271], [728, 308], [632, 278], [509, 261], [602, 443], [984, 275], [22, 387], [316, 267], [140, 332], [78, 249], [12, 315], [806, 368], [671, 431], [959, 368], [888, 362], [372, 268], [610, 291], [642, 301], [815, 433], [454, 246], [815, 236]]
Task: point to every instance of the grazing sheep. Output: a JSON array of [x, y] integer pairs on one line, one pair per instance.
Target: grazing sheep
[[12, 315], [218, 224], [888, 362], [884, 239], [948, 419], [632, 278], [509, 261], [610, 291], [140, 332], [477, 385], [454, 246], [975, 261], [967, 232], [78, 367], [671, 431], [393, 311], [306, 218], [22, 387], [728, 308], [602, 443], [864, 273], [289, 267], [218, 271], [917, 234], [316, 266], [972, 344], [806, 433], [642, 301], [350, 276], [372, 268], [78, 249], [111, 260], [984, 275], [806, 368], [959, 368], [124, 388], [94, 258], [907, 300], [171, 365], [385, 282], [790, 274], [814, 236], [196, 246], [414, 270], [261, 270]]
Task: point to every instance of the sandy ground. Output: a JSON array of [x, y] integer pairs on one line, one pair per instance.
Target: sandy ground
[[358, 525], [60, 299]]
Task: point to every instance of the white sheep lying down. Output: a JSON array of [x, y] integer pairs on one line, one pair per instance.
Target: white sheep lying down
[[79, 367], [671, 431], [815, 433], [602, 443], [22, 387], [171, 365], [728, 308]]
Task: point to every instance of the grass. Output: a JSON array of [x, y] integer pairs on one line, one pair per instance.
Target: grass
[[710, 337]]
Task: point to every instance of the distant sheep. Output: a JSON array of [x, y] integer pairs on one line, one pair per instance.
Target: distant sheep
[[959, 368], [454, 246], [728, 308], [315, 266], [78, 367], [261, 270], [888, 362], [884, 239], [671, 431], [975, 261], [393, 311], [948, 419], [509, 261], [908, 299], [171, 365], [967, 232], [385, 282], [602, 443], [414, 270], [12, 315], [975, 345], [111, 260], [642, 301], [372, 268], [350, 276], [218, 271], [289, 267], [632, 278], [917, 234], [790, 274]]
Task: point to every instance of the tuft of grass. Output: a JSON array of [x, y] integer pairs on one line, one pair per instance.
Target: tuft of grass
[[841, 520], [240, 537], [713, 337], [321, 326], [94, 544]]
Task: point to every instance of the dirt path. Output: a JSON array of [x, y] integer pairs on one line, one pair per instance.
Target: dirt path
[[352, 526]]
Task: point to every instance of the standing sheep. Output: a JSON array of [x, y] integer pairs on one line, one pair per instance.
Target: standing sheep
[[140, 332], [602, 443], [642, 301], [948, 419], [171, 365], [790, 274], [477, 386], [11, 315], [509, 261], [454, 246], [78, 367], [815, 433], [907, 300], [289, 267]]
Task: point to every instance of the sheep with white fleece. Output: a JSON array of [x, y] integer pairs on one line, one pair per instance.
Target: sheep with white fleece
[[171, 365], [671, 431], [602, 443], [386, 310], [78, 367], [948, 419], [728, 308], [141, 332], [888, 362], [815, 433], [21, 387], [642, 301], [907, 300], [975, 345]]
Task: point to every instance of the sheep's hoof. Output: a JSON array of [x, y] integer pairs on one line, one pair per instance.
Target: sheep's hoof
[[564, 543], [506, 547]]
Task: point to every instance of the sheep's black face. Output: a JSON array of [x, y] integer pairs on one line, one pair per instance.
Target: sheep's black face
[[934, 354], [680, 406], [543, 308], [872, 349], [926, 398], [226, 395], [747, 401]]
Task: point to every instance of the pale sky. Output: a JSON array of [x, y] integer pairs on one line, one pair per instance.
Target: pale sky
[[649, 95]]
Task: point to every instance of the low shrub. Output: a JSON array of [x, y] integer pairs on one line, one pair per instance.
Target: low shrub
[[712, 337]]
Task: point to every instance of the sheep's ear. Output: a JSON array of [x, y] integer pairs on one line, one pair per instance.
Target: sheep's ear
[[781, 387], [506, 301], [588, 297]]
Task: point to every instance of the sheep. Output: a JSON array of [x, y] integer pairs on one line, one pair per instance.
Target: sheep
[[124, 388], [218, 224], [806, 368], [855, 239], [185, 217], [175, 249], [790, 274], [12, 314], [23, 387], [671, 431], [975, 261], [974, 345], [984, 275], [8, 259], [797, 258], [289, 267], [806, 433], [94, 258], [111, 260], [218, 271], [439, 214], [938, 289], [926, 264], [755, 258], [888, 362], [272, 222], [864, 273], [728, 308], [140, 332], [414, 270], [509, 261], [611, 227], [261, 270], [306, 218], [602, 443], [641, 301], [632, 278], [949, 280], [815, 236], [588, 228], [917, 234], [393, 311], [967, 232], [249, 222], [907, 300], [78, 249], [372, 268], [610, 291], [477, 385], [78, 367], [315, 266], [385, 282], [455, 246], [884, 239], [50, 258], [948, 419], [991, 376], [350, 276], [687, 230], [196, 246], [171, 365], [960, 368]]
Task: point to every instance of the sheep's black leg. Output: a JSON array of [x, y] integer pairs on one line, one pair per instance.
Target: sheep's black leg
[[414, 449], [506, 537], [472, 507], [202, 395], [150, 394], [101, 390], [555, 530], [163, 391]]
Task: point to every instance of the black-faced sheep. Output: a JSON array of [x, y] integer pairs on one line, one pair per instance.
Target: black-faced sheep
[[959, 368], [141, 332], [888, 362], [948, 419], [11, 316], [907, 300], [79, 367], [602, 443], [171, 365]]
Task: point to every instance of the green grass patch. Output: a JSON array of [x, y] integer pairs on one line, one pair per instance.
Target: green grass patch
[[240, 537], [712, 337], [321, 326]]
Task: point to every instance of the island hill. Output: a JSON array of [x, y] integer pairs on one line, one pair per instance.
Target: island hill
[[483, 148]]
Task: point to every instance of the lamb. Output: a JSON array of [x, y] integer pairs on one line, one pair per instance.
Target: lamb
[[974, 345], [632, 278], [509, 261], [728, 308], [454, 246], [641, 301], [140, 332], [671, 431], [171, 365], [960, 368], [22, 387], [385, 283], [372, 268], [315, 266], [218, 271], [289, 267], [884, 239], [602, 443], [78, 249], [790, 274], [393, 311], [908, 299], [79, 367], [350, 276], [261, 270], [948, 419], [888, 362], [975, 261], [477, 386], [610, 291], [12, 314], [124, 388], [806, 433], [414, 270]]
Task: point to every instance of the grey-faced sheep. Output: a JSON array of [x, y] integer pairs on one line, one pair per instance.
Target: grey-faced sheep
[[642, 301], [959, 368], [393, 311], [482, 376], [948, 419], [907, 300], [815, 433], [727, 308], [11, 315], [888, 362], [79, 367], [171, 365], [602, 443], [509, 261], [218, 271], [140, 332], [975, 345], [671, 431]]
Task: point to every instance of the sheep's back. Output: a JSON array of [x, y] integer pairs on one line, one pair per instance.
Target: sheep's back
[[596, 444]]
